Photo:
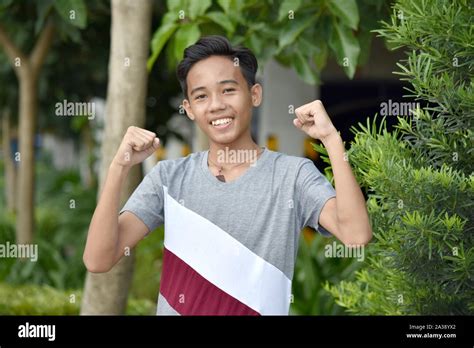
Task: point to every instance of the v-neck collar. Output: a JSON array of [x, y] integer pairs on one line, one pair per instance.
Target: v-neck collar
[[244, 177]]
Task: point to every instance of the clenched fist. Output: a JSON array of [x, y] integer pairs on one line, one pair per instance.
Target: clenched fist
[[313, 119], [136, 146]]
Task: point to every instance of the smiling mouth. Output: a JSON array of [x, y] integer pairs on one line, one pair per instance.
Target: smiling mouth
[[222, 122]]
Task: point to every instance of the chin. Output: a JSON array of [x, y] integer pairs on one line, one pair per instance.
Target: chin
[[224, 139]]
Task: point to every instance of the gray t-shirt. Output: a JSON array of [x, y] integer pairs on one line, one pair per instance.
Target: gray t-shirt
[[230, 247]]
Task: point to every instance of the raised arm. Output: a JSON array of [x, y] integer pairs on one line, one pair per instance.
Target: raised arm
[[110, 234], [345, 216]]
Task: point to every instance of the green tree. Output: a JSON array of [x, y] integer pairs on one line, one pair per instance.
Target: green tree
[[62, 16], [8, 99], [301, 34], [419, 177]]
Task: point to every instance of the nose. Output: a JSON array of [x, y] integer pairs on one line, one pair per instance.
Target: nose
[[216, 104]]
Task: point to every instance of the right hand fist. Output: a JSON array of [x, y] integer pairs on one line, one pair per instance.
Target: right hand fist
[[136, 146]]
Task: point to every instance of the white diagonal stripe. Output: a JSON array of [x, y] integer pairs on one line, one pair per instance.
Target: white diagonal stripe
[[224, 261]]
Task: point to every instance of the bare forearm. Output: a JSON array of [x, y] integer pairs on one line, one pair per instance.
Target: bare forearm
[[351, 210], [348, 216], [102, 237]]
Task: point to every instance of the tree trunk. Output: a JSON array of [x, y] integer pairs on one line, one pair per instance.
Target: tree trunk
[[26, 180], [10, 170], [27, 70], [131, 21], [85, 154]]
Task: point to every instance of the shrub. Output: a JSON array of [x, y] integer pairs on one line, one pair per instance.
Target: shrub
[[46, 300], [419, 177]]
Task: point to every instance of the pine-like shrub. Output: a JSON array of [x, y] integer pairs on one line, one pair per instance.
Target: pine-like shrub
[[419, 177]]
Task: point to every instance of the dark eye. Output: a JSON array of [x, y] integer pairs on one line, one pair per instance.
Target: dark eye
[[200, 96], [227, 90]]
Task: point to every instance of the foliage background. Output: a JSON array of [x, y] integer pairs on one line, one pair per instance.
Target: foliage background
[[418, 178]]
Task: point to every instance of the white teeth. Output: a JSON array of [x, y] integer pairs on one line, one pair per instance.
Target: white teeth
[[221, 121]]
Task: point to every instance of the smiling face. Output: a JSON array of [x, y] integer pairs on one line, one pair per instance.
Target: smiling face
[[220, 100]]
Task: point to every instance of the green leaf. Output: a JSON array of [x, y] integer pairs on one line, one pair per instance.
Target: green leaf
[[176, 5], [268, 52], [43, 9], [224, 4], [170, 60], [254, 42], [286, 6], [230, 6], [169, 17], [237, 40], [160, 38], [187, 35], [314, 48], [300, 63], [198, 7], [296, 27], [320, 58], [346, 10], [307, 46], [346, 48], [69, 31], [72, 11], [222, 20], [192, 8]]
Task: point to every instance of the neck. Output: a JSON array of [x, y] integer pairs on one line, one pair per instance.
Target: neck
[[225, 154]]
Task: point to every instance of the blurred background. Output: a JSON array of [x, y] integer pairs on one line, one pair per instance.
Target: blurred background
[[74, 74]]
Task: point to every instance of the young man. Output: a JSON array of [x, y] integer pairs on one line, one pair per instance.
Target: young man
[[231, 225]]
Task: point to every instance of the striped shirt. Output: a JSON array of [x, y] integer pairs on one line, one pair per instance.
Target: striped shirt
[[230, 247]]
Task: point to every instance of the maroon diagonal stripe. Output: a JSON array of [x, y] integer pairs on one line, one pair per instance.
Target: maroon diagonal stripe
[[189, 293]]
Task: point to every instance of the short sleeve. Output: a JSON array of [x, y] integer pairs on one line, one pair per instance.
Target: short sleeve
[[313, 190], [146, 202]]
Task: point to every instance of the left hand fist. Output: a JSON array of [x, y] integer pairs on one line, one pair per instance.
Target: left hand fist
[[313, 119]]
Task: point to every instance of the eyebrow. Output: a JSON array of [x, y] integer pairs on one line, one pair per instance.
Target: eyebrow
[[220, 83]]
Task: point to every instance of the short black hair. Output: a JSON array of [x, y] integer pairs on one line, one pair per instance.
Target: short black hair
[[216, 45]]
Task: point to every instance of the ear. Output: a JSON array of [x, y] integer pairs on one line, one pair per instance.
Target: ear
[[188, 109], [256, 94]]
